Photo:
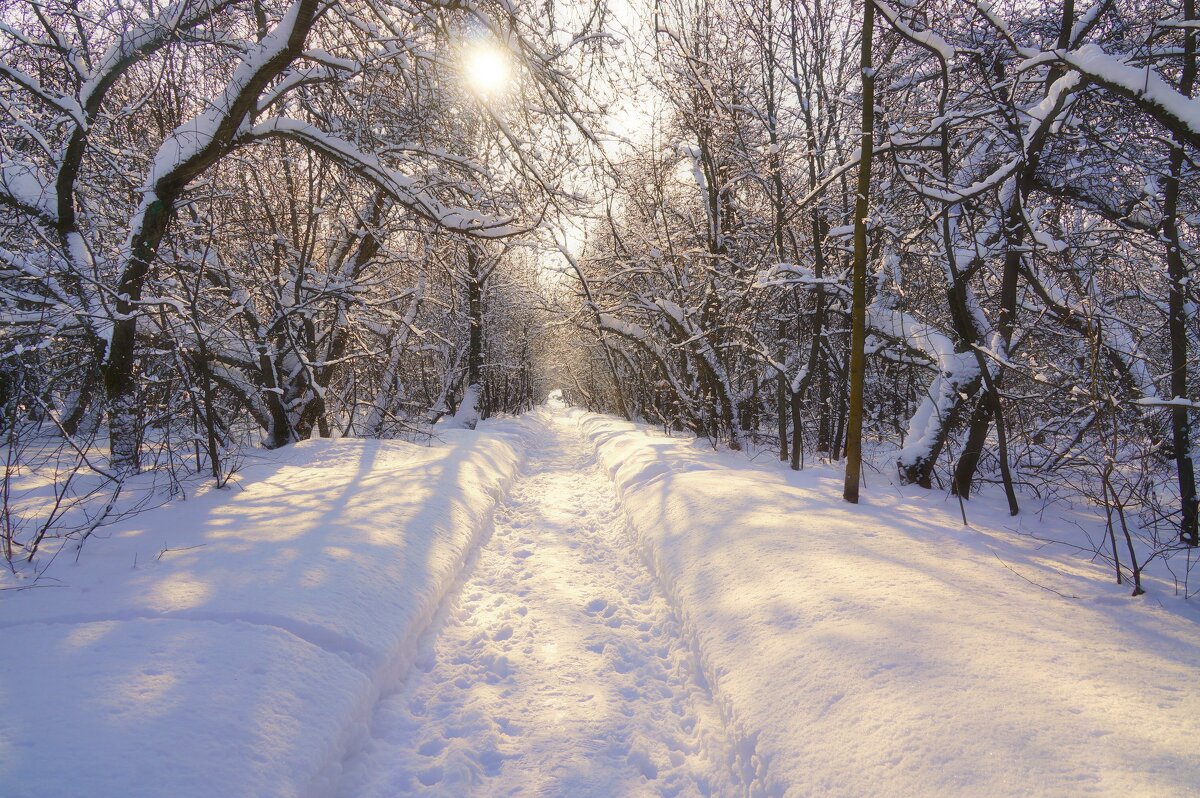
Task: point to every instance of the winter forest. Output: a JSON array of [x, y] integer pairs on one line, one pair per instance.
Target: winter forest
[[822, 355]]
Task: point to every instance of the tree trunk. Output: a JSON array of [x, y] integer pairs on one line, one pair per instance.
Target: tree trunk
[[781, 411], [858, 319], [797, 430], [968, 460], [1177, 318], [475, 283], [474, 316], [120, 371]]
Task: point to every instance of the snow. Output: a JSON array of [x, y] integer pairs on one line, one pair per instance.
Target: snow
[[245, 666], [882, 649], [1177, 401], [1142, 83], [467, 415], [569, 604], [945, 51], [68, 105], [21, 181], [559, 669], [620, 327], [143, 36], [195, 135], [147, 706], [1046, 108], [954, 370]]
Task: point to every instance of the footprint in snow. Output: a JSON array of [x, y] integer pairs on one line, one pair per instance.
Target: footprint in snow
[[492, 761], [431, 747], [430, 776], [640, 759]]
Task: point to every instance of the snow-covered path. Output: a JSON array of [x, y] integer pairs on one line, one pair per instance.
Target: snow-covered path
[[557, 669]]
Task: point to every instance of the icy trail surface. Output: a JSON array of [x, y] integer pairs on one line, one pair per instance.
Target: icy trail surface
[[558, 668]]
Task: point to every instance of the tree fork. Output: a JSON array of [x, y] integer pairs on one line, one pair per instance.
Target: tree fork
[[151, 224]]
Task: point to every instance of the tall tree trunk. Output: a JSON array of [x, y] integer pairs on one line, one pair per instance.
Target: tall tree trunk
[[474, 316], [783, 389], [858, 317], [1181, 432], [782, 393], [797, 430], [120, 368], [476, 277], [968, 459], [279, 432]]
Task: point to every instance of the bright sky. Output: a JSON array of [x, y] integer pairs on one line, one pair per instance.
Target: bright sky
[[488, 68], [488, 71]]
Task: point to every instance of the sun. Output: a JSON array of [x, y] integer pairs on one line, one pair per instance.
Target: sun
[[488, 69]]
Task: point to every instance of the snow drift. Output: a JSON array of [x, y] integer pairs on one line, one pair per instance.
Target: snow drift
[[884, 650], [234, 644]]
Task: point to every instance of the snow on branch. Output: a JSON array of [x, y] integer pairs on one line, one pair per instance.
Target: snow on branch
[[1143, 85], [926, 38], [142, 38], [401, 187], [955, 371], [1172, 403], [23, 188], [33, 86]]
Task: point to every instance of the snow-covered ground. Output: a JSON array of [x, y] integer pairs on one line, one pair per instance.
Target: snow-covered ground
[[883, 649], [559, 668], [236, 643], [639, 616]]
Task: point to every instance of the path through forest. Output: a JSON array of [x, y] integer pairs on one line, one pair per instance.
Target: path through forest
[[558, 668]]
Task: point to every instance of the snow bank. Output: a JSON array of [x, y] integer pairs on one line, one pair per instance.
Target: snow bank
[[235, 643], [884, 650]]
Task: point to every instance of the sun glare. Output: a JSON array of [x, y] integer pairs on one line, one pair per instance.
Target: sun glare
[[488, 69]]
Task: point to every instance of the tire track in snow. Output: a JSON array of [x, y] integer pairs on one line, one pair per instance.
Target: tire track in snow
[[558, 669]]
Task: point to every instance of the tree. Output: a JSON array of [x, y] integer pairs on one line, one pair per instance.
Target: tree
[[858, 319]]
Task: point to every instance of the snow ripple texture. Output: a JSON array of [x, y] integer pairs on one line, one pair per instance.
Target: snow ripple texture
[[559, 667]]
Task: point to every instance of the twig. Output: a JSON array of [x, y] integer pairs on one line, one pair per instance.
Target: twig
[[1030, 581], [184, 548]]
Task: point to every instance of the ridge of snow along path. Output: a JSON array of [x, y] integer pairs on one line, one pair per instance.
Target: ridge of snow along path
[[882, 649], [558, 669]]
